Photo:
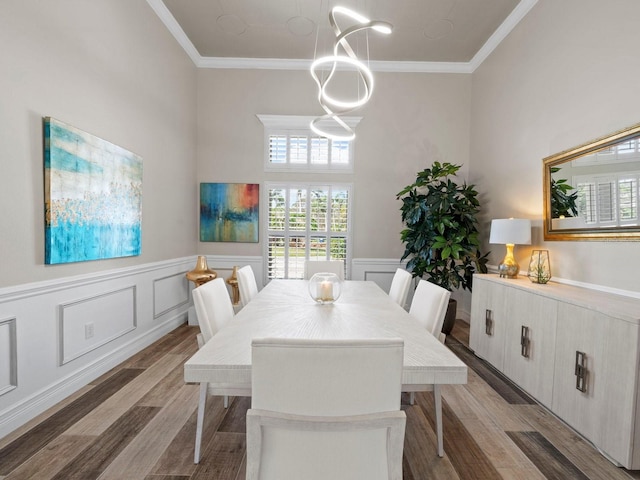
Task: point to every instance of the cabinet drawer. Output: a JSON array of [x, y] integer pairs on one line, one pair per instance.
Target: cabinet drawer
[[488, 322], [604, 412], [530, 343]]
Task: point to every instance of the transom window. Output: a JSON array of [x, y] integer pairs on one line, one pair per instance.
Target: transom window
[[292, 146], [306, 222]]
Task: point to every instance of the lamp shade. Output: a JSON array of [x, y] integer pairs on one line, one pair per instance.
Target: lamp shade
[[516, 231]]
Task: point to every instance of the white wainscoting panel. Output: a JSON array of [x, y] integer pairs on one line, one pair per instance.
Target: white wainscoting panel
[[223, 266], [89, 323], [8, 356], [47, 351], [170, 292], [378, 270]]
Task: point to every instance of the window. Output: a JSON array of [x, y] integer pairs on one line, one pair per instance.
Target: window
[[628, 151], [306, 221], [610, 200], [291, 146]]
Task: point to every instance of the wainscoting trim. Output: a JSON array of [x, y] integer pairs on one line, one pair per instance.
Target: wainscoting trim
[[162, 288], [9, 356], [114, 312]]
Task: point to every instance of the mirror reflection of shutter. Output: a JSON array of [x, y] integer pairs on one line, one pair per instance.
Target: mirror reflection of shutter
[[587, 201], [606, 201], [628, 199]]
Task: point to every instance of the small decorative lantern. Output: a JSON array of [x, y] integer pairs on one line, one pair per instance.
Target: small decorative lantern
[[325, 287], [539, 267]]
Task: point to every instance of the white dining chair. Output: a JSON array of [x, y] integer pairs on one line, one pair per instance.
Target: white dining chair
[[312, 267], [325, 409], [400, 286], [247, 284], [429, 307], [213, 310]]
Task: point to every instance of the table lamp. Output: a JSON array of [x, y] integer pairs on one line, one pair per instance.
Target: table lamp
[[509, 232]]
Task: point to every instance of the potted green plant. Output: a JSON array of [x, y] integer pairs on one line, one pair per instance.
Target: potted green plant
[[563, 197], [441, 234]]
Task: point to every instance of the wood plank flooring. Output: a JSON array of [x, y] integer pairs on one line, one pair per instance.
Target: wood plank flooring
[[138, 422]]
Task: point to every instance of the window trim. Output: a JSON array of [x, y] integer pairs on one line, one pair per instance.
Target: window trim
[[268, 185], [298, 125]]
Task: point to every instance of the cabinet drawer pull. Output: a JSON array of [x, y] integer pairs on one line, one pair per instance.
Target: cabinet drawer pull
[[488, 322], [524, 341], [581, 371]]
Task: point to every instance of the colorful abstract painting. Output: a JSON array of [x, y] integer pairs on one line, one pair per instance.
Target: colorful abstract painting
[[93, 196], [229, 212]]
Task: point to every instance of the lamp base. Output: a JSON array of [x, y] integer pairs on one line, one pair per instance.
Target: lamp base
[[508, 270], [509, 267]]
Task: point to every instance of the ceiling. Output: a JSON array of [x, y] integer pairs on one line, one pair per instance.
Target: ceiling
[[428, 35]]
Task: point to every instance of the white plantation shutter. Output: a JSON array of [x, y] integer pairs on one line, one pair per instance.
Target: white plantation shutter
[[292, 146], [628, 200], [605, 201], [278, 149], [293, 150], [306, 221]]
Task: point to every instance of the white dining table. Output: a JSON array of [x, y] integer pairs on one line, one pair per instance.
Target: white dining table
[[284, 309]]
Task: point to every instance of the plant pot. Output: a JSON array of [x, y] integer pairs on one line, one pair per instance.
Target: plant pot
[[450, 317]]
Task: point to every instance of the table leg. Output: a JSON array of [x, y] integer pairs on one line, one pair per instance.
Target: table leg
[[200, 421], [438, 401]]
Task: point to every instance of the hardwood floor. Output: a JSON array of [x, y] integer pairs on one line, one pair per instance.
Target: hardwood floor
[[138, 422]]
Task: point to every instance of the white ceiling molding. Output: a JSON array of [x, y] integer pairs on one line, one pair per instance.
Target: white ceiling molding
[[172, 25], [502, 31]]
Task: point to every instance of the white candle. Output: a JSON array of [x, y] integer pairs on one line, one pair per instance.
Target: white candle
[[326, 290]]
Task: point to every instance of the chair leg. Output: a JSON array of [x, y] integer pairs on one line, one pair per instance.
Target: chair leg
[[412, 398], [225, 401], [438, 404], [200, 421]]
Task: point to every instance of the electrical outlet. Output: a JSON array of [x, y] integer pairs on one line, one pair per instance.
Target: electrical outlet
[[88, 330]]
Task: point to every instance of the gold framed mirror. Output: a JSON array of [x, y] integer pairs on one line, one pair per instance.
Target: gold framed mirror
[[591, 192]]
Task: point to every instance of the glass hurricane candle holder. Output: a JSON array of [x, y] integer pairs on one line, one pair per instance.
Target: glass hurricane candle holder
[[539, 266], [325, 287]]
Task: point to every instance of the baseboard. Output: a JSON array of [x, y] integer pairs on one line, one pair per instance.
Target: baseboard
[[20, 413]]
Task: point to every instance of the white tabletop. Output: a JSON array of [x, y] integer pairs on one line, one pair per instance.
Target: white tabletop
[[284, 309]]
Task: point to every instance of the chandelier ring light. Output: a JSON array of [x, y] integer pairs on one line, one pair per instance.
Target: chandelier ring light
[[344, 105], [348, 136], [335, 106]]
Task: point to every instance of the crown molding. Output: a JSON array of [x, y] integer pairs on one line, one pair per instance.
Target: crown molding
[[175, 29], [304, 64], [501, 32], [199, 61]]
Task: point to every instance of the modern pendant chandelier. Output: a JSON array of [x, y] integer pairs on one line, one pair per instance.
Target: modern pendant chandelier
[[345, 56]]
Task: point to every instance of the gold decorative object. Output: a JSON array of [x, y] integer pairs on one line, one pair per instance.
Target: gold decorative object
[[202, 273], [233, 281], [539, 266], [600, 157], [510, 232]]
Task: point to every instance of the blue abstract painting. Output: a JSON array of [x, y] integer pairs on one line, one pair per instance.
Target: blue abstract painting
[[229, 212], [93, 196]]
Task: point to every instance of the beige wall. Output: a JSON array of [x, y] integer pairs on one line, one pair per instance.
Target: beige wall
[[110, 68], [411, 120], [567, 74]]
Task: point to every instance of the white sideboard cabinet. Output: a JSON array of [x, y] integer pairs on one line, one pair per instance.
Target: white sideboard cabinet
[[575, 350]]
